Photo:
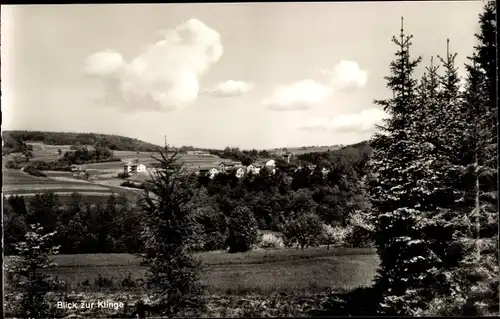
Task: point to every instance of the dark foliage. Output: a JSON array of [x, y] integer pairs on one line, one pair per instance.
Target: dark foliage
[[33, 171], [113, 142], [82, 227], [242, 230]]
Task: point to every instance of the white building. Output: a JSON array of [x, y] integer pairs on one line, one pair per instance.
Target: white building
[[271, 163], [240, 172], [254, 168], [134, 168], [212, 172]]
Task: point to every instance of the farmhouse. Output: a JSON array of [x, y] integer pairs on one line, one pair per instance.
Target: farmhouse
[[240, 172], [134, 168], [270, 163], [228, 165], [254, 168], [212, 172]]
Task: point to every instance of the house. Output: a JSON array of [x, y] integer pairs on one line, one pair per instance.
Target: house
[[270, 163], [254, 168], [134, 168], [240, 172], [212, 172], [224, 166]]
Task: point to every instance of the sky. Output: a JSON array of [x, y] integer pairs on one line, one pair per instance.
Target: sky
[[252, 75]]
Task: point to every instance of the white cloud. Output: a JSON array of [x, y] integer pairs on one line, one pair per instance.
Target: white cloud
[[347, 75], [163, 77], [230, 88], [361, 122], [301, 95]]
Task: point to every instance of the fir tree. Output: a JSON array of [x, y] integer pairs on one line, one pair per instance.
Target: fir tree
[[411, 228], [479, 234], [478, 231], [35, 253], [173, 274]]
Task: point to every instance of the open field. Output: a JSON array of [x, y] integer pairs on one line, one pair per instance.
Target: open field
[[16, 182], [260, 271]]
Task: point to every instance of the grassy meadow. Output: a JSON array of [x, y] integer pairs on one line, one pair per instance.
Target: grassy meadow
[[259, 271]]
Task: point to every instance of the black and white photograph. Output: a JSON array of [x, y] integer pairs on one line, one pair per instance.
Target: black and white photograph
[[227, 160]]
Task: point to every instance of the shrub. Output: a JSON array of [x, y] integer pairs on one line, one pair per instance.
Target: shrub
[[33, 171], [361, 233], [104, 282], [215, 241], [271, 241], [10, 164], [123, 175], [335, 235], [359, 237], [242, 228], [128, 282]]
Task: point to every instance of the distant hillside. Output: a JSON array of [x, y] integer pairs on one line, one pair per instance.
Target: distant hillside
[[114, 142], [359, 145], [361, 149]]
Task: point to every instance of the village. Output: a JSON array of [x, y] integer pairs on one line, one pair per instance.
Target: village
[[228, 167]]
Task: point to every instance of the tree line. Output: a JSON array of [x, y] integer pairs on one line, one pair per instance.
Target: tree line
[[113, 142]]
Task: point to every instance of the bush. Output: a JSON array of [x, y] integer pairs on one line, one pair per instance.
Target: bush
[[132, 185], [359, 237], [361, 234], [215, 241], [11, 164], [123, 175], [128, 282], [242, 230], [103, 282], [33, 171], [335, 235], [271, 241]]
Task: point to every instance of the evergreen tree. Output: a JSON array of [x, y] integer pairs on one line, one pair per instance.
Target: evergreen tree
[[479, 224], [479, 235], [410, 226], [172, 272], [34, 254]]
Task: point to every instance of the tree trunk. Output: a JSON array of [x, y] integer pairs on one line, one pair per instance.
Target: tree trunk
[[328, 246], [477, 210]]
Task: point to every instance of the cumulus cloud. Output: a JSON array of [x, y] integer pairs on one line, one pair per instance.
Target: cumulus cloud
[[230, 88], [361, 122], [163, 77], [347, 75], [301, 95]]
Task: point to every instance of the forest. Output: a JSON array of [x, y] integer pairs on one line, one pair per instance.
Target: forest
[[14, 140]]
